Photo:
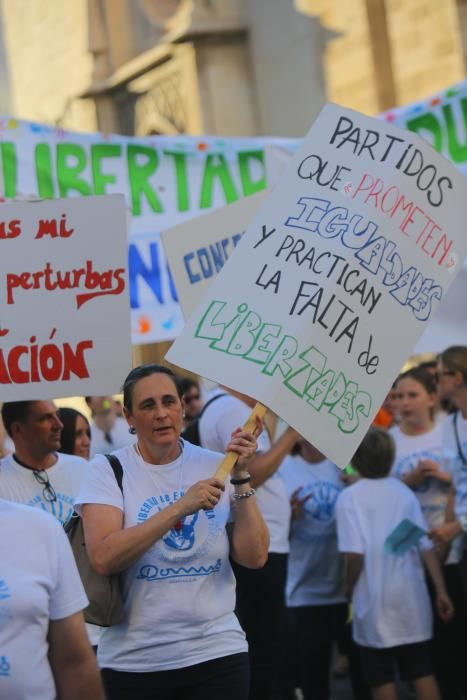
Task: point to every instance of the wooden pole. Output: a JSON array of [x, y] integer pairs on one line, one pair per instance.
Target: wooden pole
[[228, 463]]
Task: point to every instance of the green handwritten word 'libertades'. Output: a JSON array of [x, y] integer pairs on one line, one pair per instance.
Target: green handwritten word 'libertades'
[[241, 332]]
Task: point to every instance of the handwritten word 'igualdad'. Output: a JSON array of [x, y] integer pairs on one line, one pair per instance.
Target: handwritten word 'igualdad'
[[375, 253], [51, 362], [50, 280], [242, 333]]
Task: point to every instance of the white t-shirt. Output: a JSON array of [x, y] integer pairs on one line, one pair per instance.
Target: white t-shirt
[[216, 425], [315, 572], [120, 435], [453, 460], [431, 493], [391, 605], [38, 581], [179, 596], [18, 484]]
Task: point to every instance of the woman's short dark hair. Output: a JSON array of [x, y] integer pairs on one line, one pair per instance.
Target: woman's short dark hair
[[69, 416], [375, 454], [454, 359], [421, 375], [140, 373]]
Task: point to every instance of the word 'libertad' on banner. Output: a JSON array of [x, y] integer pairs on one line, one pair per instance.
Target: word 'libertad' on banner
[[241, 332]]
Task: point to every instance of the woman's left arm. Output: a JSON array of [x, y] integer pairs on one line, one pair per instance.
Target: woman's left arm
[[249, 535]]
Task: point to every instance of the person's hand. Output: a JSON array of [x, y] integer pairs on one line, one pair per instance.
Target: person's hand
[[416, 477], [348, 479], [297, 503], [444, 606], [428, 466], [243, 442], [203, 495], [445, 533], [432, 469]]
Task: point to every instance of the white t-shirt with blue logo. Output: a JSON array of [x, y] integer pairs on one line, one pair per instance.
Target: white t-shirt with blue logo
[[390, 601], [180, 595], [432, 494], [38, 582], [410, 449], [216, 425], [18, 484], [315, 574]]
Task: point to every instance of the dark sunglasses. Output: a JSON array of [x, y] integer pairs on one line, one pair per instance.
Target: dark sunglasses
[[189, 399], [48, 491]]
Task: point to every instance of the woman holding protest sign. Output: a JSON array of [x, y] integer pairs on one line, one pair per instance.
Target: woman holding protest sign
[[419, 464], [169, 535]]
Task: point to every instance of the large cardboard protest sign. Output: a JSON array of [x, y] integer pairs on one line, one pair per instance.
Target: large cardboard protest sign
[[165, 181], [64, 311], [334, 280], [198, 249]]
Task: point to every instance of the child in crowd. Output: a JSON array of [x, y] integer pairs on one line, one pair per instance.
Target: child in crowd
[[392, 619]]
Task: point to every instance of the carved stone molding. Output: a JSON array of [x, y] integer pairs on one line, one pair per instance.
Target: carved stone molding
[[168, 99]]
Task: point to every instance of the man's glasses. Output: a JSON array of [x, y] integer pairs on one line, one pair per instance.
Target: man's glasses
[[193, 397], [42, 478]]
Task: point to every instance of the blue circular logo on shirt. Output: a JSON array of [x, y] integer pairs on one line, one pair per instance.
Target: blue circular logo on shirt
[[322, 501]]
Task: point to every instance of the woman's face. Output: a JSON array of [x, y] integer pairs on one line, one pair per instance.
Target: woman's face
[[82, 438], [156, 411], [415, 403]]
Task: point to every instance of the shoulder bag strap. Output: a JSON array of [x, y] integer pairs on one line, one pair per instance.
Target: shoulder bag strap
[[458, 442], [117, 470], [214, 398]]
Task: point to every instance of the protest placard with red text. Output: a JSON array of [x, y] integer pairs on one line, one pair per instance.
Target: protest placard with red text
[[64, 308]]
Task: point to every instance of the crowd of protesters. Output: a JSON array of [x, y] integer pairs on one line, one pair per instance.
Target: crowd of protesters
[[258, 587]]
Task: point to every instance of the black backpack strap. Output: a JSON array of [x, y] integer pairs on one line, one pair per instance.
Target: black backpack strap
[[460, 452], [214, 398], [117, 470]]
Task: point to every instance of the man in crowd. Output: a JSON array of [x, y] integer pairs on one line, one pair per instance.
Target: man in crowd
[[36, 473], [191, 394], [109, 432]]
